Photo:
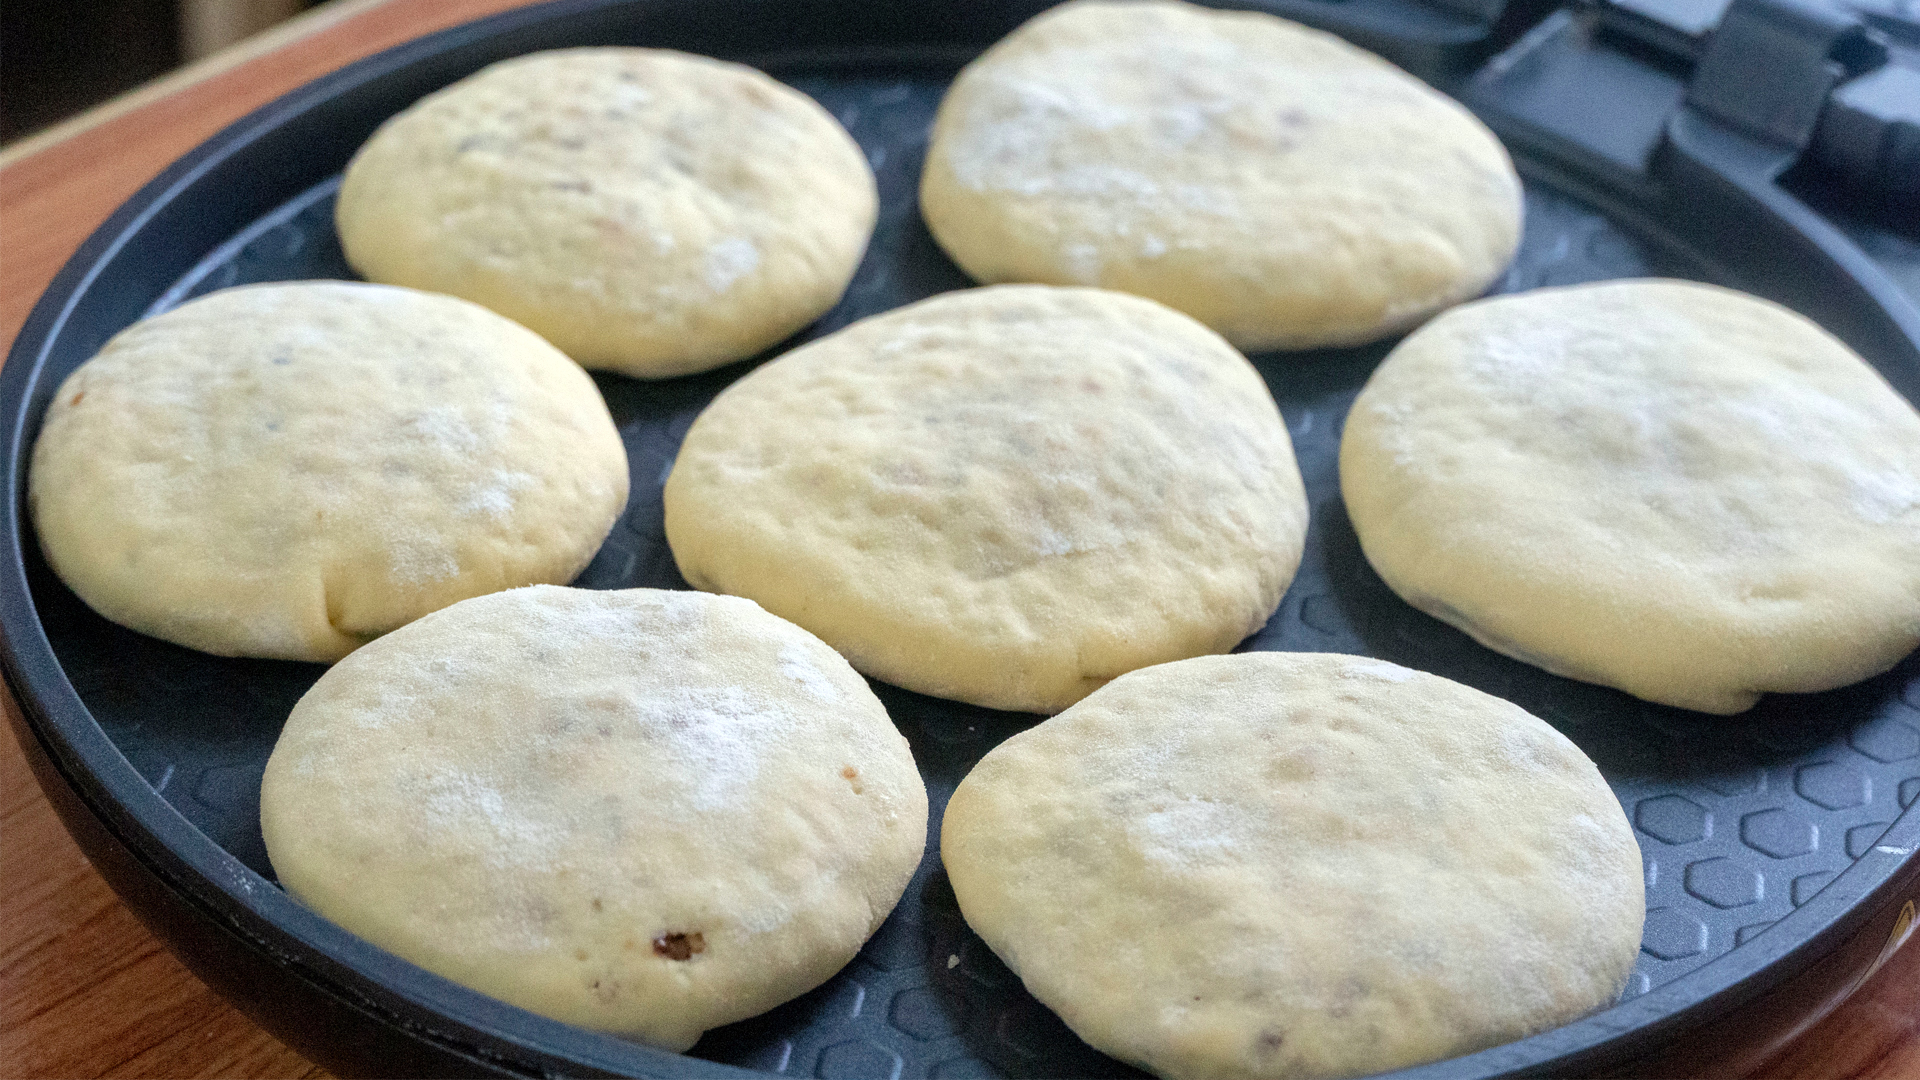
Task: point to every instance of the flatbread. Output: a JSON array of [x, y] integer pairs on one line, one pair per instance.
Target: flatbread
[[1281, 186], [1297, 865], [1006, 496], [647, 211], [1687, 493], [643, 812], [290, 470]]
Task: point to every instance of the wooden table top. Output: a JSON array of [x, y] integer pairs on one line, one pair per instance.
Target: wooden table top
[[85, 990]]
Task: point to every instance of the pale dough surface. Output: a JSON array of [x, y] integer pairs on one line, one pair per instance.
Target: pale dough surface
[[1281, 186], [1678, 490], [290, 470], [647, 211], [1297, 865], [643, 812], [1006, 496]]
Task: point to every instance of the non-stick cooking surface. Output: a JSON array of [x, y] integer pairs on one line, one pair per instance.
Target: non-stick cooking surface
[[1742, 820]]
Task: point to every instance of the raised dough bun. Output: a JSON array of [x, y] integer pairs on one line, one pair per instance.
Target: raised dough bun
[[290, 470], [1006, 496], [647, 211], [643, 812], [1297, 865], [1281, 186], [1678, 490]]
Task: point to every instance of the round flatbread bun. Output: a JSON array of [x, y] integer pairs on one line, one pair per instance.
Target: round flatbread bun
[[647, 211], [290, 470], [1674, 489], [1006, 496], [1274, 182], [643, 812], [1297, 865]]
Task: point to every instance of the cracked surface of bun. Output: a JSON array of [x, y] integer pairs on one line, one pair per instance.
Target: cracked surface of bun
[[644, 812], [1006, 496], [290, 470]]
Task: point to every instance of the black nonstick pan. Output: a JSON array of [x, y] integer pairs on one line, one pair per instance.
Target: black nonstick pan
[[1779, 844]]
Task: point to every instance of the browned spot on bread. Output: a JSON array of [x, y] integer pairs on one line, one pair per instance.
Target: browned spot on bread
[[679, 946]]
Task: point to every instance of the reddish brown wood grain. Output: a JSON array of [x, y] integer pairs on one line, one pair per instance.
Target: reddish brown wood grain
[[85, 990], [1874, 1036]]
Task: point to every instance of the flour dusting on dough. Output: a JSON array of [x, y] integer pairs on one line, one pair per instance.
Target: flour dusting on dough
[[716, 737], [1880, 497], [494, 499], [1081, 263], [446, 427], [730, 260], [1190, 831], [420, 560], [470, 808], [795, 664], [1378, 669]]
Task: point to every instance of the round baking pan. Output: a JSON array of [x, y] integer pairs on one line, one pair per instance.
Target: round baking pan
[[1779, 844]]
